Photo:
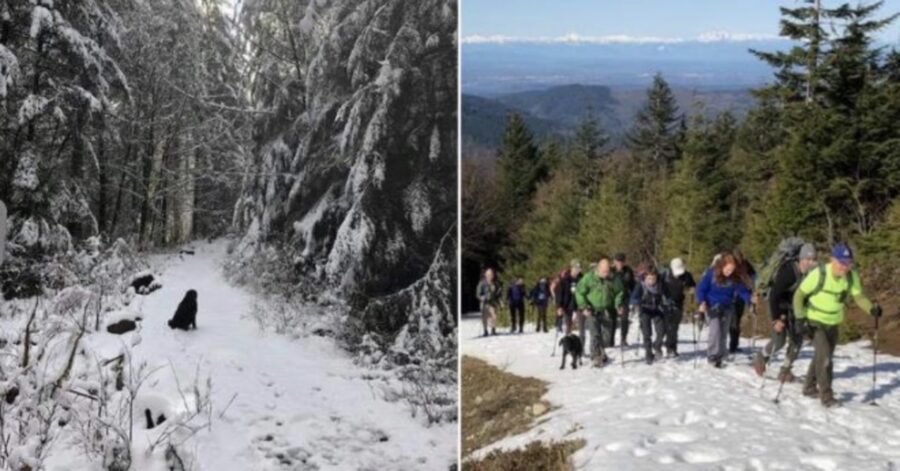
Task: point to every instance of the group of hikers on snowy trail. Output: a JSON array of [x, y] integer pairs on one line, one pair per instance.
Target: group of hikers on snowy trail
[[806, 299]]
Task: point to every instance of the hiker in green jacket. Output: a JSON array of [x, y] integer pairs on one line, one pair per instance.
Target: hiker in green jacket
[[600, 296], [819, 305]]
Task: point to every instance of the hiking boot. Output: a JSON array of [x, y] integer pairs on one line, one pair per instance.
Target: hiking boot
[[759, 364], [649, 359], [493, 331], [829, 401], [786, 377], [485, 333], [811, 391]]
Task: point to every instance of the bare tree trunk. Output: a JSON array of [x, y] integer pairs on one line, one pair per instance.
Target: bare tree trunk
[[3, 230]]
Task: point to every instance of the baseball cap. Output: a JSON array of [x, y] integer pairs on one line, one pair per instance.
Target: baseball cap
[[677, 266], [575, 264], [842, 253]]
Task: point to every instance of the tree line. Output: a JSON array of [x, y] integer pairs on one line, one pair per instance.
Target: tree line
[[817, 156], [120, 118]]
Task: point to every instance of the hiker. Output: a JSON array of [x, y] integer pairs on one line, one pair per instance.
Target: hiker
[[748, 273], [600, 295], [717, 292], [566, 306], [649, 300], [819, 305], [626, 277], [554, 294], [489, 292], [515, 298], [540, 297], [676, 282], [785, 280]]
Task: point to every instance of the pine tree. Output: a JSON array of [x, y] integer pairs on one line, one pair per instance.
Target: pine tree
[[853, 61], [589, 147], [546, 239], [697, 223], [607, 223], [654, 136], [519, 167], [798, 71]]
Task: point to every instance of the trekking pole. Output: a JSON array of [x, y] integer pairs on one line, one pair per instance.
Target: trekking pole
[[694, 336], [755, 320], [874, 364], [555, 341], [788, 365]]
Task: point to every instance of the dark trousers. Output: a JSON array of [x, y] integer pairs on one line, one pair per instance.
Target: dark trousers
[[623, 323], [673, 318], [734, 328], [541, 318], [652, 321], [821, 369], [778, 340], [600, 325], [517, 315]]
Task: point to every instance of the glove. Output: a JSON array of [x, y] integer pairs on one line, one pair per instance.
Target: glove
[[876, 311]]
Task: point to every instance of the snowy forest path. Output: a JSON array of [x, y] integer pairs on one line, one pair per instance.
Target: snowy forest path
[[640, 416], [285, 403]]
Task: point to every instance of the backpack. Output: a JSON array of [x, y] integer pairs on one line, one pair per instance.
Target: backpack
[[820, 284], [788, 251]]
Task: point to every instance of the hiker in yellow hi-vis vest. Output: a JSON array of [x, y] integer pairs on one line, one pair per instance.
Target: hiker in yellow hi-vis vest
[[819, 304]]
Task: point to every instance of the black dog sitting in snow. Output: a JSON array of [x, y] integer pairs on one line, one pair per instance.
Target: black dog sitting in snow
[[186, 315], [571, 345]]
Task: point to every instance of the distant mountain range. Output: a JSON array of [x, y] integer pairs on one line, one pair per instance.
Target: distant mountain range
[[559, 109], [500, 67]]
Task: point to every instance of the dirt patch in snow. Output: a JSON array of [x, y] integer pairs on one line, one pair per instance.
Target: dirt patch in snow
[[497, 404]]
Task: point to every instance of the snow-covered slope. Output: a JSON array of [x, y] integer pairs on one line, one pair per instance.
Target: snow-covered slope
[[641, 417], [277, 402]]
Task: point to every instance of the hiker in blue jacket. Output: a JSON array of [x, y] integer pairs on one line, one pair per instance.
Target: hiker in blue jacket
[[516, 297], [540, 298], [721, 286]]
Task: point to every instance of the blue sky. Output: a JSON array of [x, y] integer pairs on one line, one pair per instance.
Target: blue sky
[[681, 19]]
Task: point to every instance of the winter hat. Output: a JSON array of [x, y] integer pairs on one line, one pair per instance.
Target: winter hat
[[807, 252], [619, 257], [677, 266], [575, 264], [843, 254]]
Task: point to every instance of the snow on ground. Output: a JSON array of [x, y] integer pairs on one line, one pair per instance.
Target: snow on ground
[[639, 417], [284, 403]]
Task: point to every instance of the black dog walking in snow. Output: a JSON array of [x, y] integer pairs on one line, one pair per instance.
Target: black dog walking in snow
[[186, 315], [571, 345]]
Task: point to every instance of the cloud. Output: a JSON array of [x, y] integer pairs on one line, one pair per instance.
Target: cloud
[[575, 38]]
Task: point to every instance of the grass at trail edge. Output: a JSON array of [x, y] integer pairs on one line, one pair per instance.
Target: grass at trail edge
[[497, 404]]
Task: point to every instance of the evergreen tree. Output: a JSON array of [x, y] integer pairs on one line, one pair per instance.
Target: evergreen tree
[[697, 222], [519, 167], [589, 146], [654, 136], [546, 240], [607, 223], [798, 71], [853, 60]]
